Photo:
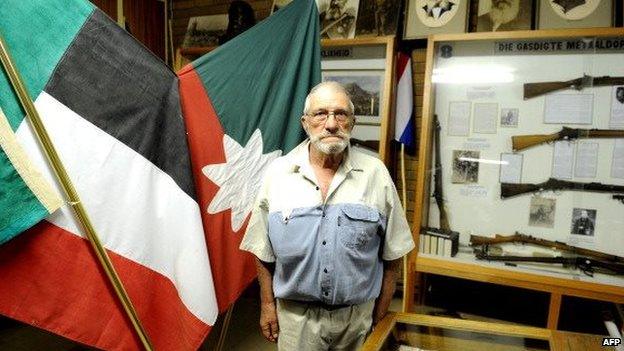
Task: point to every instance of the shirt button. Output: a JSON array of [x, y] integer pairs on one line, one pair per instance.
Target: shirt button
[[324, 242], [325, 270]]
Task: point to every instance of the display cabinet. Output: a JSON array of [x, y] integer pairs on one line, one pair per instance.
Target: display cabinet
[[412, 332], [531, 142]]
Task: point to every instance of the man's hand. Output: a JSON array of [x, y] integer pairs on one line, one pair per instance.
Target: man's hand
[[268, 321], [378, 314]]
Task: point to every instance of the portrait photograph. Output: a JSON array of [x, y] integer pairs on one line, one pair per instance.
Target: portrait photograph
[[278, 4], [465, 167], [504, 15], [337, 18], [205, 31], [365, 89], [542, 212], [509, 117], [377, 18], [583, 221]]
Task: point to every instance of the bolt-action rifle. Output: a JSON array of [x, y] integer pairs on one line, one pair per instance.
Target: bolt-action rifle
[[476, 240], [536, 89], [521, 142], [438, 194], [511, 189], [585, 264]]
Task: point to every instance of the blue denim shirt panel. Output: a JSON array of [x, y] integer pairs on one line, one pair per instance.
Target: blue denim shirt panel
[[328, 253]]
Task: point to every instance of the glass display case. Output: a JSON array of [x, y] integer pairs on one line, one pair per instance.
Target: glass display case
[[522, 159], [415, 332]]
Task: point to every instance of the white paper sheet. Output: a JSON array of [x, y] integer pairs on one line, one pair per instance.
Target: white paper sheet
[[617, 165], [459, 118], [485, 118], [586, 160], [563, 160], [511, 168], [569, 108], [617, 108]]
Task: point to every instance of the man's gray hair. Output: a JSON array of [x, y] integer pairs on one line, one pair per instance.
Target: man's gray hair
[[328, 84]]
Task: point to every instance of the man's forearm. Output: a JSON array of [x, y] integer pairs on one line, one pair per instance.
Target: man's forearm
[[388, 286], [265, 279]]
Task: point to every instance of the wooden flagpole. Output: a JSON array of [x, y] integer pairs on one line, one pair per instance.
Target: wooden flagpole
[[70, 192], [225, 327]]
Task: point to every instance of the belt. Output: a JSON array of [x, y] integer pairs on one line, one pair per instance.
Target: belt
[[321, 304]]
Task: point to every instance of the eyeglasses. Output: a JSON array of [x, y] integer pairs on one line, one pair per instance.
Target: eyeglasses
[[321, 116]]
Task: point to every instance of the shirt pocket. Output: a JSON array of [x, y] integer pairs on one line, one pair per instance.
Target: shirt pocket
[[358, 226], [291, 235]]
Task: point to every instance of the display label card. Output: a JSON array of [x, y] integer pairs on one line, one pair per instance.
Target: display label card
[[485, 118], [568, 108], [474, 93], [617, 165], [563, 160], [459, 118], [511, 168], [476, 144], [473, 191], [617, 108], [586, 160]]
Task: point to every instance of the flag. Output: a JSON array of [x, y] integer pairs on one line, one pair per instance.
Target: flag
[[112, 110], [242, 105], [404, 124], [25, 196]]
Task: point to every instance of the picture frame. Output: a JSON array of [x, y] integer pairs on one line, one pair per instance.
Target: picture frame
[[555, 14], [377, 18], [421, 20], [205, 31], [365, 87], [372, 57], [337, 18], [501, 15]]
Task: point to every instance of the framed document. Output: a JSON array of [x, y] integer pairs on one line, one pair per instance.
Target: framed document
[[575, 14]]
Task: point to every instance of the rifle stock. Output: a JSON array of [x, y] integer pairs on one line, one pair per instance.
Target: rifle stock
[[532, 90], [521, 142], [511, 189]]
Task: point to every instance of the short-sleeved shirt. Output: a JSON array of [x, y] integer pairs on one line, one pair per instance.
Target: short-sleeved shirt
[[327, 251]]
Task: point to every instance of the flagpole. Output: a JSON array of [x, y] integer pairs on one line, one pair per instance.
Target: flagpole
[[70, 192], [403, 182]]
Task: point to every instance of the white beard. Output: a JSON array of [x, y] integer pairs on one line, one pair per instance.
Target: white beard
[[330, 148], [503, 15]]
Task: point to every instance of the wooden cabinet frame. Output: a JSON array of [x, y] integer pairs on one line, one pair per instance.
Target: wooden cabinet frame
[[557, 287]]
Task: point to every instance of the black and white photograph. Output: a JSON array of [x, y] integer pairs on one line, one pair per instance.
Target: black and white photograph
[[377, 17], [509, 117], [574, 9], [504, 15], [583, 221], [575, 14], [619, 94], [542, 212], [203, 31], [337, 18], [465, 167], [364, 88]]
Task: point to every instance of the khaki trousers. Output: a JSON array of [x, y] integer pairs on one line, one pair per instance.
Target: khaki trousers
[[304, 326]]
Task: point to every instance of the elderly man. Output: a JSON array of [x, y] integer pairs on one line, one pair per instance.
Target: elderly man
[[328, 233], [503, 15]]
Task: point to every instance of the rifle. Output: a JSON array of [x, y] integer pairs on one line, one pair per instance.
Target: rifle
[[437, 178], [620, 198], [558, 245], [521, 142], [536, 89], [510, 189], [585, 264]]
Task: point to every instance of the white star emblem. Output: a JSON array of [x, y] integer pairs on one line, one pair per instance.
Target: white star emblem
[[239, 178]]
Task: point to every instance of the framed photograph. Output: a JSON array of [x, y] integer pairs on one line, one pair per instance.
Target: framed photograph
[[542, 212], [504, 15], [509, 117], [203, 31], [377, 18], [337, 18], [366, 91], [583, 221], [424, 17], [465, 167], [575, 14]]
